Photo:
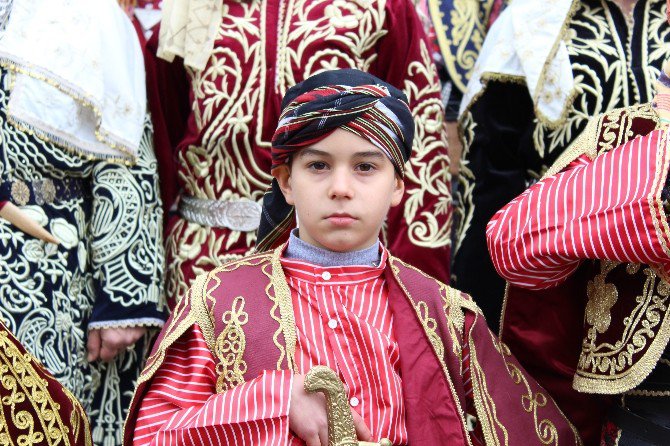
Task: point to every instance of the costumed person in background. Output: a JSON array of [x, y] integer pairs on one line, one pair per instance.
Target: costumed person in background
[[35, 408], [76, 158], [419, 364], [545, 69], [215, 111], [586, 252], [460, 27]]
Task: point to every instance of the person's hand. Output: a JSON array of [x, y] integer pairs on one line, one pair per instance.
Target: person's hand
[[308, 420], [106, 343], [455, 147]]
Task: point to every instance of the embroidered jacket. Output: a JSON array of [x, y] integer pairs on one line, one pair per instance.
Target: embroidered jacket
[[517, 126], [34, 406], [213, 127], [440, 334], [598, 326]]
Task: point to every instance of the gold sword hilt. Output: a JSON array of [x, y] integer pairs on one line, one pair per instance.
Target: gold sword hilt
[[341, 431]]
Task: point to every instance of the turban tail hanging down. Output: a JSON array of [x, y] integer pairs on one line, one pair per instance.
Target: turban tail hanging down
[[348, 99]]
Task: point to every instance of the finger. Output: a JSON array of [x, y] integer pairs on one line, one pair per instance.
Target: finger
[[362, 430], [323, 436], [313, 441], [108, 351], [134, 335], [93, 345]]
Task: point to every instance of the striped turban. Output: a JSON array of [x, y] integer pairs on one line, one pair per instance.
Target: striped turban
[[346, 99]]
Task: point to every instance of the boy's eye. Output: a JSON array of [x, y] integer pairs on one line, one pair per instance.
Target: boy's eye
[[317, 165], [365, 167]]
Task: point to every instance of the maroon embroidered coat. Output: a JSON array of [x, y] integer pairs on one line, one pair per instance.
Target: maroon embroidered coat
[[213, 127], [434, 326]]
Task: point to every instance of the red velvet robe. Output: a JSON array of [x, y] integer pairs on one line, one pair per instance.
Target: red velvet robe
[[35, 408], [432, 322], [213, 128]]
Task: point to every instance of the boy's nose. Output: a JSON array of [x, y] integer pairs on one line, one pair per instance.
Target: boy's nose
[[341, 184]]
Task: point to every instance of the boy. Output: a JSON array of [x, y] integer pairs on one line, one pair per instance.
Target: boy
[[415, 356]]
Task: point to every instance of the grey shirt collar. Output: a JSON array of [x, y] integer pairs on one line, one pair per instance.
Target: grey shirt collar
[[299, 249]]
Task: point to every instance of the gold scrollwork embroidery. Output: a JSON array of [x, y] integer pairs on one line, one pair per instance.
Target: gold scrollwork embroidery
[[21, 382], [621, 364], [602, 297], [531, 402], [230, 346]]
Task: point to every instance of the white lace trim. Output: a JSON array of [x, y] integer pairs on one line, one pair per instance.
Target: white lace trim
[[526, 42], [78, 68], [124, 323]]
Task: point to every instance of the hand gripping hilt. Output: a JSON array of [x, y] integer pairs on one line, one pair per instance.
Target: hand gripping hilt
[[341, 431]]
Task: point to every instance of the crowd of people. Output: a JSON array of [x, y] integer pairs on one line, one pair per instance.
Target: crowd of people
[[459, 208]]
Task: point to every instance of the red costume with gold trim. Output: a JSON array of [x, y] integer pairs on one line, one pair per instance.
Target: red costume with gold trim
[[36, 409], [587, 329], [449, 360], [213, 126]]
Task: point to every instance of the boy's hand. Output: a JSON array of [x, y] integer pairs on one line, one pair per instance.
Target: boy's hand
[[106, 343], [308, 420]]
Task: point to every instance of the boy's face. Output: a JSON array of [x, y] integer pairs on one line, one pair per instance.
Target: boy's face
[[342, 188]]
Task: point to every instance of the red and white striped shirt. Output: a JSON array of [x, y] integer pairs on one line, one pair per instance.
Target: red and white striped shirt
[[606, 208], [343, 321]]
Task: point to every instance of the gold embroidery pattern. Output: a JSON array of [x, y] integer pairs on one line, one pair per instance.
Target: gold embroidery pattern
[[21, 381], [602, 297], [531, 402], [230, 346], [484, 404], [467, 27], [283, 303], [429, 326], [428, 171], [619, 366], [596, 53]]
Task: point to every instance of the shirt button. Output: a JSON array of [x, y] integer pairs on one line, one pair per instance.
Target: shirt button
[[354, 402], [332, 324], [326, 275]]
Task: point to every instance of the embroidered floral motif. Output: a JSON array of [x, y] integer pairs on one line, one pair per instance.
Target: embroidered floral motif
[[602, 297], [230, 346]]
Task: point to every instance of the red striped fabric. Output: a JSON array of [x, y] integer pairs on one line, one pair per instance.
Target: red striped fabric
[[608, 208], [343, 321]]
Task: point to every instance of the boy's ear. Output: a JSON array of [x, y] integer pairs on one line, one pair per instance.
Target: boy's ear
[[398, 190], [283, 175]]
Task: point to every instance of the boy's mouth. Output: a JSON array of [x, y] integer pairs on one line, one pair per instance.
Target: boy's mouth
[[341, 219]]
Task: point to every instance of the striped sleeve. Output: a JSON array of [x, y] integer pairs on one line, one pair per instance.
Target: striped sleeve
[[608, 208], [182, 407]]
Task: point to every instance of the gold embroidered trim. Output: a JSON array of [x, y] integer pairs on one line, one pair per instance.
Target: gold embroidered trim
[[651, 310], [78, 96], [282, 299], [659, 218], [230, 346], [20, 379], [651, 393], [485, 78], [484, 403], [466, 25], [435, 340], [615, 127]]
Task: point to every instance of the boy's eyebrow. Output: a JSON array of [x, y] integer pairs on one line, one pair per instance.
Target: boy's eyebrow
[[312, 151], [369, 154]]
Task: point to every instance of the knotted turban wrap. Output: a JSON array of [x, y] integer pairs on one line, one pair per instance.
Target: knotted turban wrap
[[348, 99]]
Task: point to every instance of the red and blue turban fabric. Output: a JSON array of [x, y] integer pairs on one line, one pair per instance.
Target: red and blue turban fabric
[[311, 110]]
